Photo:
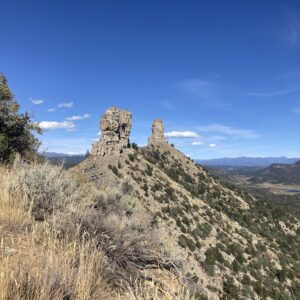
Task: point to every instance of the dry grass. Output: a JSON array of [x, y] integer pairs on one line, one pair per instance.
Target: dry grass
[[63, 240], [53, 271], [13, 216]]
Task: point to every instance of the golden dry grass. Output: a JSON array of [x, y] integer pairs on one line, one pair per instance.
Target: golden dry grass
[[35, 264]]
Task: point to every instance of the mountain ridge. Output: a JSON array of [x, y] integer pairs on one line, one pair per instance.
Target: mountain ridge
[[247, 161], [231, 245], [226, 161], [58, 154]]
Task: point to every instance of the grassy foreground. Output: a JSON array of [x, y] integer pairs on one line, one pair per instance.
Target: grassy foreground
[[61, 239]]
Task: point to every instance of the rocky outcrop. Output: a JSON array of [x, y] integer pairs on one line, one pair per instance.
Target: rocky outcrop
[[115, 126], [157, 136]]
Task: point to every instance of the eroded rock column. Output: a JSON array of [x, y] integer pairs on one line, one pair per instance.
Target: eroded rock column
[[158, 132], [115, 126]]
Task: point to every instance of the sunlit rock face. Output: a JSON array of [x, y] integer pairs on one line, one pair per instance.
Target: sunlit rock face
[[157, 136], [115, 126]]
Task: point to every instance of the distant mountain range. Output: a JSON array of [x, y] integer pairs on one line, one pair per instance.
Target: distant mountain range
[[234, 162], [247, 161], [55, 154], [68, 160]]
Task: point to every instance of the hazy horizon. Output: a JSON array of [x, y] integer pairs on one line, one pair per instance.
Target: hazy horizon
[[200, 159]]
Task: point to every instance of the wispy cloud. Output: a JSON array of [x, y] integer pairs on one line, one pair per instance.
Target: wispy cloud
[[36, 101], [197, 143], [212, 145], [181, 134], [291, 29], [269, 94], [61, 105], [241, 133], [78, 118], [66, 105], [50, 125], [209, 91], [197, 86]]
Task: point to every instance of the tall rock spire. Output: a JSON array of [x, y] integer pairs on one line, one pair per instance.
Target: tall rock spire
[[115, 126], [157, 136]]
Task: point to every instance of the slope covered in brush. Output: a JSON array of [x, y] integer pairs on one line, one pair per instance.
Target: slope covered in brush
[[230, 245], [64, 239]]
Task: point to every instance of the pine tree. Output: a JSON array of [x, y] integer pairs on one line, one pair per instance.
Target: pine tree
[[16, 129]]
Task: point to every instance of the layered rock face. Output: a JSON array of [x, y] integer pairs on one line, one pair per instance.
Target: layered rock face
[[115, 126], [157, 136]]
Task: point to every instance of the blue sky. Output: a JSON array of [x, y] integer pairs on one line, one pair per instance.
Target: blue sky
[[224, 76]]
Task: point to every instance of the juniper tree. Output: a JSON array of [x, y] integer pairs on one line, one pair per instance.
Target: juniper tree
[[16, 129]]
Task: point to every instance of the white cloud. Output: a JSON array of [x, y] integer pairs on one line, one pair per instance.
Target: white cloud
[[36, 101], [98, 138], [48, 125], [66, 104], [197, 143], [78, 118], [212, 145], [73, 153], [242, 133], [181, 134]]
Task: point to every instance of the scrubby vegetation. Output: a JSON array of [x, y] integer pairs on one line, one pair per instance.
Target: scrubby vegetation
[[258, 249], [66, 240]]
